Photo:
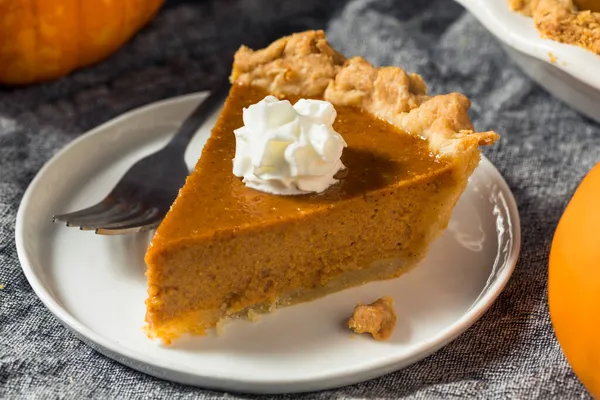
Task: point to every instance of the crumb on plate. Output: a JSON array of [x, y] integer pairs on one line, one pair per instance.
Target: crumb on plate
[[252, 315], [377, 318]]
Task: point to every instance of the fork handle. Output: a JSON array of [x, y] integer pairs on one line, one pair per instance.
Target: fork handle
[[201, 113]]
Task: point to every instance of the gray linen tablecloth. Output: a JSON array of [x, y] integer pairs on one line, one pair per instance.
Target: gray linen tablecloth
[[546, 149]]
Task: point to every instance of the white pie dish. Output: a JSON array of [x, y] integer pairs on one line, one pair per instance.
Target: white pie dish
[[570, 73]]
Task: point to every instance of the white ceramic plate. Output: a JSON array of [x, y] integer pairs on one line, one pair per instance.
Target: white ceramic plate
[[568, 72], [96, 285]]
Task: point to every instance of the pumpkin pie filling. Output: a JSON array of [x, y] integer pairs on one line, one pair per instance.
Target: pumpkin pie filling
[[378, 154], [226, 250]]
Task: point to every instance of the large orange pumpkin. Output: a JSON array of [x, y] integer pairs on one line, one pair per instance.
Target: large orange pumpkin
[[46, 39], [574, 282]]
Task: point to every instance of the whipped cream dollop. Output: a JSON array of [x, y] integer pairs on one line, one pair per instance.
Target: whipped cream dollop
[[286, 150]]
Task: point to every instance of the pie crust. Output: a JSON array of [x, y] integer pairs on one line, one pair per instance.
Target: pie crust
[[562, 21], [305, 65]]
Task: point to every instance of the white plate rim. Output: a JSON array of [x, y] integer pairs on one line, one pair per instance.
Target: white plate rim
[[519, 32], [336, 379]]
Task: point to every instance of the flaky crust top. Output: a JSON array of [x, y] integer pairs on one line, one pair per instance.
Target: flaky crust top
[[560, 20], [305, 65]]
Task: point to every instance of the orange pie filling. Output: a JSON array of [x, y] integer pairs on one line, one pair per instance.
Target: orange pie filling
[[377, 200], [591, 5], [225, 250]]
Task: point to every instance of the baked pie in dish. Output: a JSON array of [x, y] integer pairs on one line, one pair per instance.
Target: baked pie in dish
[[575, 22], [228, 249]]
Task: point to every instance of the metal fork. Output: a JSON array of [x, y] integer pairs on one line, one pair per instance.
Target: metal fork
[[142, 197]]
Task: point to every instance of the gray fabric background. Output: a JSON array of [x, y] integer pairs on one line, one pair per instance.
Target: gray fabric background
[[545, 151]]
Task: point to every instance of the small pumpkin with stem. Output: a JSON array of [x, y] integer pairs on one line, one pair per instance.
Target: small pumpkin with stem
[[42, 40]]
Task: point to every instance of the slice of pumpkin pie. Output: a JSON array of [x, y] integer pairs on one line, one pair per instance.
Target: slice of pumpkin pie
[[322, 173]]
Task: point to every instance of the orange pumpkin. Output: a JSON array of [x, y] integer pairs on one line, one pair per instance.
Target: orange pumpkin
[[45, 39], [574, 282]]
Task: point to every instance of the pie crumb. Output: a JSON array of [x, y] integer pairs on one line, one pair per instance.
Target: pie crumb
[[252, 315], [377, 318], [1, 286], [220, 327], [273, 306], [71, 380], [552, 57]]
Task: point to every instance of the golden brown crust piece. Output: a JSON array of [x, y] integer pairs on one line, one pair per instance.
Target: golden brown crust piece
[[522, 6], [562, 21], [298, 65], [377, 318], [305, 65]]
